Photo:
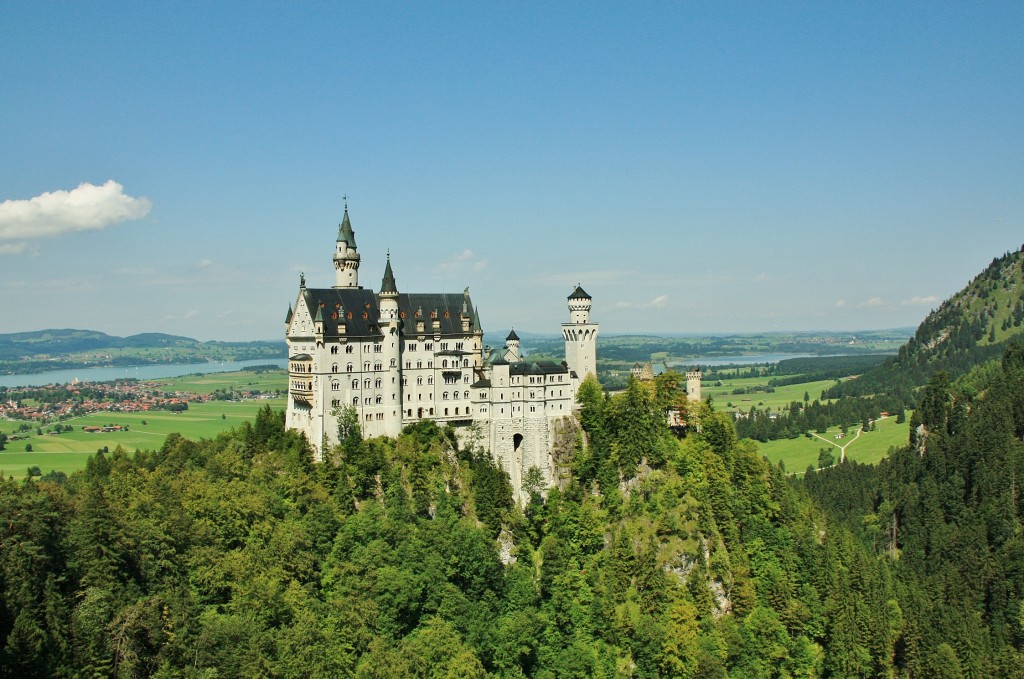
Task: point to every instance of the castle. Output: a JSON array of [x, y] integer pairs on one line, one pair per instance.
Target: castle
[[398, 358]]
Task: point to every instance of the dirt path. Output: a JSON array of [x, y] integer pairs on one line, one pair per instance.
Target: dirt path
[[842, 448]]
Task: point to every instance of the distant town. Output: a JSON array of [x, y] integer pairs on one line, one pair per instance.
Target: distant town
[[54, 403]]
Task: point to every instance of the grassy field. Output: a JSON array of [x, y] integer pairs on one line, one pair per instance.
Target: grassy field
[[247, 380], [68, 451], [781, 397], [870, 447]]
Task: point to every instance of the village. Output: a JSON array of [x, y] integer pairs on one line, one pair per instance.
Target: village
[[55, 403]]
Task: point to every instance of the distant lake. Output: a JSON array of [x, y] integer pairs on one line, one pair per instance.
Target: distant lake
[[746, 359], [141, 372]]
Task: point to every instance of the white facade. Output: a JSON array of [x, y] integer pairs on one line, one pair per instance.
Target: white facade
[[398, 358]]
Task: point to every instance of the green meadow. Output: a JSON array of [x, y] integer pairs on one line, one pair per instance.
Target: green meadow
[[870, 447], [780, 398], [68, 451]]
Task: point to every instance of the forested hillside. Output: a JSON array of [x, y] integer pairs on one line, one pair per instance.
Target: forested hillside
[[945, 515], [237, 557], [967, 329]]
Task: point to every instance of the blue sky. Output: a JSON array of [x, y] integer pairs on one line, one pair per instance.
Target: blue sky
[[697, 167]]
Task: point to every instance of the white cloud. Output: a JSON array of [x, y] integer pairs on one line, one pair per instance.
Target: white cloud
[[840, 304], [922, 301], [659, 302], [12, 248], [205, 263], [873, 302], [460, 261], [86, 208]]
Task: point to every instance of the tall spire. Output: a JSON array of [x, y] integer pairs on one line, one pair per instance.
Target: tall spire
[[345, 232], [346, 257], [388, 285]]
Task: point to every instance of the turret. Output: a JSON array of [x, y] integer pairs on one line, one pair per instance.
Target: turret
[[693, 384], [390, 323], [346, 258], [580, 336], [512, 353]]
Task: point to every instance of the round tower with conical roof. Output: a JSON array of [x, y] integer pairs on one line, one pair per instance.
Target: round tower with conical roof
[[512, 348], [346, 258], [390, 324], [580, 336]]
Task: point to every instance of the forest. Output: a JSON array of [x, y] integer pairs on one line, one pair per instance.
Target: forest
[[692, 557]]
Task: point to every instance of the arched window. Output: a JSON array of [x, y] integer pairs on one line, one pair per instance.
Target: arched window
[[419, 381], [445, 397], [348, 368], [377, 383], [394, 362], [348, 348], [444, 363], [467, 395], [378, 366], [355, 384], [366, 383], [366, 367], [335, 386], [334, 368], [355, 400], [380, 399]]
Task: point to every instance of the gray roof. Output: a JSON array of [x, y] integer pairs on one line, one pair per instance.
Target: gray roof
[[388, 284], [579, 293], [338, 303], [537, 368]]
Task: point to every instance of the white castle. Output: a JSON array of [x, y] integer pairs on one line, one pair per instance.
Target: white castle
[[398, 358]]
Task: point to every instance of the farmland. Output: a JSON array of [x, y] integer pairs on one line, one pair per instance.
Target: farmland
[[69, 450]]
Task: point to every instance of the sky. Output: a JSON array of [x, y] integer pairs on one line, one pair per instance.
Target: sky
[[698, 167]]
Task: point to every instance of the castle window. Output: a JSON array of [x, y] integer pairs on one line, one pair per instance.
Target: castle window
[[419, 364], [408, 412], [355, 384], [431, 411], [444, 346], [465, 363], [466, 395], [428, 346], [446, 411], [335, 386], [430, 379], [366, 366], [367, 400], [533, 409], [378, 366], [377, 383], [401, 314], [335, 403], [483, 394], [445, 397], [334, 368], [419, 380], [379, 399], [456, 411], [444, 363], [458, 346], [366, 383], [483, 409], [334, 349], [465, 379], [348, 347], [411, 346], [365, 315], [369, 417], [376, 348], [430, 364], [394, 362], [334, 315], [447, 314], [408, 365], [355, 400]]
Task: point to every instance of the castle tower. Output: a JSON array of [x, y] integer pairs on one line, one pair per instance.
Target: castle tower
[[346, 259], [390, 325], [693, 384], [580, 335], [512, 350]]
